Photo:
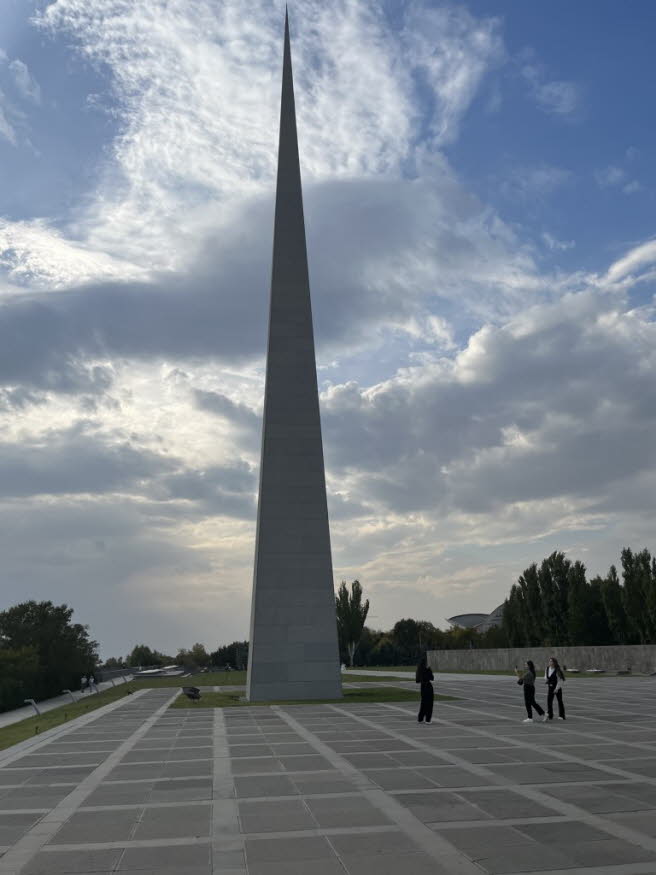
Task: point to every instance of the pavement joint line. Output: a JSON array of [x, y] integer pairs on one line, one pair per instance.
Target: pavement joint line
[[431, 843], [35, 838], [225, 827], [566, 808], [515, 704], [125, 844], [510, 704], [221, 843], [30, 744], [619, 869], [554, 752]]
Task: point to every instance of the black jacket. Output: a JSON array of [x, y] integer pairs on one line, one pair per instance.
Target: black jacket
[[552, 680], [424, 675]]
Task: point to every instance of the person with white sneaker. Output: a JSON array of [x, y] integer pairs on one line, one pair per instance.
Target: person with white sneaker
[[424, 676], [526, 679], [554, 678]]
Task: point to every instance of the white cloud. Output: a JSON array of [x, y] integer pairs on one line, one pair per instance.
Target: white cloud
[[614, 176], [537, 181], [557, 97], [630, 264], [25, 83], [6, 129], [632, 187], [36, 255], [554, 244], [609, 176], [195, 143]]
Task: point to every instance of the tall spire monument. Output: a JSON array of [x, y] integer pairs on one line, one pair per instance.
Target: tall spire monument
[[293, 634]]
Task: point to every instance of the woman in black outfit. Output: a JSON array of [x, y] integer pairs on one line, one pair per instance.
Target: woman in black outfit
[[527, 680], [424, 676], [554, 677]]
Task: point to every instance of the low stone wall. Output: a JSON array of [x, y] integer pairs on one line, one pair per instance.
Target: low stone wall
[[640, 658]]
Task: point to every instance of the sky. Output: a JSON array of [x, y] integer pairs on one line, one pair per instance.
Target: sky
[[479, 192]]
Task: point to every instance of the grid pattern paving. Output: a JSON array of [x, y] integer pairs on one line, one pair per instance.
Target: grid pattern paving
[[357, 789]]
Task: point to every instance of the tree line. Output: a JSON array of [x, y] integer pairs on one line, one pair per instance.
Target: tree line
[[196, 657], [555, 604], [42, 652]]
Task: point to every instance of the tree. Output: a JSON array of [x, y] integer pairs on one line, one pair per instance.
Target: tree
[[234, 655], [63, 649], [200, 656], [18, 670], [577, 605], [530, 585], [598, 627], [141, 656], [634, 594], [612, 597], [351, 616], [113, 663], [512, 618], [559, 568]]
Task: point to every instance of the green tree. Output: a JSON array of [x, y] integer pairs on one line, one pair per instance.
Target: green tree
[[63, 648], [351, 616], [235, 655], [512, 618], [531, 606], [142, 656], [612, 597], [18, 671], [384, 651], [598, 627], [559, 569], [200, 655], [634, 591], [113, 663], [577, 605]]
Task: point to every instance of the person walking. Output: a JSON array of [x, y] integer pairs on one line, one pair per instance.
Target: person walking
[[424, 676], [83, 683], [555, 677], [526, 678]]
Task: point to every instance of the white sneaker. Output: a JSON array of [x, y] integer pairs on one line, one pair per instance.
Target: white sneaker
[[561, 718], [527, 720], [545, 717]]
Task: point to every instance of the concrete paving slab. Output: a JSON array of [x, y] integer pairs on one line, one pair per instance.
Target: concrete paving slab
[[292, 849], [344, 811], [362, 781], [177, 822]]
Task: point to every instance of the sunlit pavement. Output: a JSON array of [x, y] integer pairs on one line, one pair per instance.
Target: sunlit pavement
[[338, 789]]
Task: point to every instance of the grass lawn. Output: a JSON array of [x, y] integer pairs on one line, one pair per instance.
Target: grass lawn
[[375, 694], [568, 675], [57, 716], [409, 668], [354, 678], [203, 679], [35, 725]]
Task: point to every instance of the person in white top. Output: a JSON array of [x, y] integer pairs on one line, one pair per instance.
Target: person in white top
[[555, 679]]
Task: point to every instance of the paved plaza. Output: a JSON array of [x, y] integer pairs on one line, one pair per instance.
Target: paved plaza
[[333, 789]]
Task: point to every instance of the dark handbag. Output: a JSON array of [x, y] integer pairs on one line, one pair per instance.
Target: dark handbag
[[520, 681]]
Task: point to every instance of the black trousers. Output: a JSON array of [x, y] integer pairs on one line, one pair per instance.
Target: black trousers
[[426, 707], [529, 701], [550, 697]]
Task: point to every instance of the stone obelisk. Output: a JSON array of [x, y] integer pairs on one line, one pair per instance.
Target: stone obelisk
[[293, 634]]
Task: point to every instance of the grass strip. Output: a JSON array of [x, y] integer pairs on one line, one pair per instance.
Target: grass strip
[[33, 726], [411, 669], [203, 679], [234, 700]]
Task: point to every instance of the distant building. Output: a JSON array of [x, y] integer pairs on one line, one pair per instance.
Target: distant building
[[479, 622]]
